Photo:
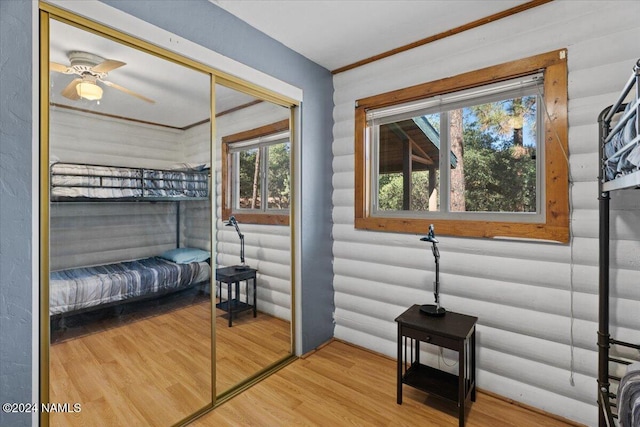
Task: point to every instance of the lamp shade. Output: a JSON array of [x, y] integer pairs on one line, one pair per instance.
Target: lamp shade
[[89, 91]]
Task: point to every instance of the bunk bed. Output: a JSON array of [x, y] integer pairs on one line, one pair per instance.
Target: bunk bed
[[619, 155], [77, 290], [79, 182]]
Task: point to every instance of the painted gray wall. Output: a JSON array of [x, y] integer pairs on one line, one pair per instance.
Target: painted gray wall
[[15, 207], [210, 26]]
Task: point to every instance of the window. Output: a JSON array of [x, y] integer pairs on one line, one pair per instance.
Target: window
[[256, 174], [482, 154]]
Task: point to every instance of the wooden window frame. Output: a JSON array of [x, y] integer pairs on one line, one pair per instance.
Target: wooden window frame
[[556, 196], [266, 218]]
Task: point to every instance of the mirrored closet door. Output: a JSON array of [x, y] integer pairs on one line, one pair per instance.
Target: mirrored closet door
[[253, 236], [130, 203], [166, 209]]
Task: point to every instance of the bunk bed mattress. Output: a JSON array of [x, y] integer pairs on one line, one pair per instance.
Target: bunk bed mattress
[[80, 288], [629, 397], [160, 183], [99, 182], [105, 182], [621, 163]]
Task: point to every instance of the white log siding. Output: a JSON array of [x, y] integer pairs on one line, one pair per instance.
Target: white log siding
[[84, 234], [519, 290]]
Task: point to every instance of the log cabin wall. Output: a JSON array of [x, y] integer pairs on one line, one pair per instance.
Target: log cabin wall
[[521, 291], [125, 230]]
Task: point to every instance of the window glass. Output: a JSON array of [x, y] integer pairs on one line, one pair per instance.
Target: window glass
[[488, 142], [249, 182], [278, 182], [497, 169], [261, 175], [409, 164]]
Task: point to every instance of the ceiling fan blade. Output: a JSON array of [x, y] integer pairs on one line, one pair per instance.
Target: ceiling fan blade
[[130, 92], [108, 65], [70, 91], [54, 66]]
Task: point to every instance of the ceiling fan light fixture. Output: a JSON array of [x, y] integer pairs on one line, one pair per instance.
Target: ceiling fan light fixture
[[88, 90]]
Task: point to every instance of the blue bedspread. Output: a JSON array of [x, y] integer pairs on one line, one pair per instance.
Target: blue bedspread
[[80, 288]]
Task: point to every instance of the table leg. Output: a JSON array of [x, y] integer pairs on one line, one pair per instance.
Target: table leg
[[461, 382], [229, 309], [399, 390], [472, 374], [238, 299], [255, 298]]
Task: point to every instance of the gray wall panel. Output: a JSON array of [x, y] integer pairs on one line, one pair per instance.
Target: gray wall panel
[[15, 208]]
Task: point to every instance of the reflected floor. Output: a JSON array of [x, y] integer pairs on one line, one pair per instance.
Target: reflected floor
[[150, 364], [250, 345], [137, 369]]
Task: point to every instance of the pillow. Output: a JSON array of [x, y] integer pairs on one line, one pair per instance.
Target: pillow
[[186, 255]]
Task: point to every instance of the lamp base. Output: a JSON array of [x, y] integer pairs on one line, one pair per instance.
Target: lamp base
[[241, 267], [432, 310]]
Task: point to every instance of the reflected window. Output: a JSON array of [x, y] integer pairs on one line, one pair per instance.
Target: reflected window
[[258, 180]]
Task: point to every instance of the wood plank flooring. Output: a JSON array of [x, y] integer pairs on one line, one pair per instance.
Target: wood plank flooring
[[155, 370], [342, 385]]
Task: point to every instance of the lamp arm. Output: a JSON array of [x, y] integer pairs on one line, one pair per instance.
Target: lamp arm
[[436, 255], [238, 230], [241, 247], [232, 220]]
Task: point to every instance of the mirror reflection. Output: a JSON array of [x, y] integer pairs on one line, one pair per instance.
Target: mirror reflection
[[130, 294], [253, 275]]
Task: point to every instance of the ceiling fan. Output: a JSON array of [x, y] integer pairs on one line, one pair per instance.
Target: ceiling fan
[[91, 69]]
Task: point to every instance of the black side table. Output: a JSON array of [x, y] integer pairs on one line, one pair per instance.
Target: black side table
[[453, 331], [232, 276]]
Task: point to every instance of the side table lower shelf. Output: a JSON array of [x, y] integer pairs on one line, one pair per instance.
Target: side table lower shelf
[[236, 306], [431, 380]]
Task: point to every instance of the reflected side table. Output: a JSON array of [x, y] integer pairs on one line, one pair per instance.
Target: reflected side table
[[453, 331], [233, 276]]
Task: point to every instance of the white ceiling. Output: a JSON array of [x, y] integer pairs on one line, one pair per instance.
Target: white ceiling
[[335, 33], [181, 94]]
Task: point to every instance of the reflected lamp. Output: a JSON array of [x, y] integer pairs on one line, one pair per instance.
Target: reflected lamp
[[233, 223]]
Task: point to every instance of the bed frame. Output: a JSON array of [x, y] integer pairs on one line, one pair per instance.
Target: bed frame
[[58, 321], [145, 183], [606, 398]]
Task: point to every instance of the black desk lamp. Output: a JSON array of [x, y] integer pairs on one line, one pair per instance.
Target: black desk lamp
[[434, 309], [233, 223]]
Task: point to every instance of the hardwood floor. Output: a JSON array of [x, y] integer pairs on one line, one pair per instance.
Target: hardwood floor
[[341, 385], [116, 370]]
